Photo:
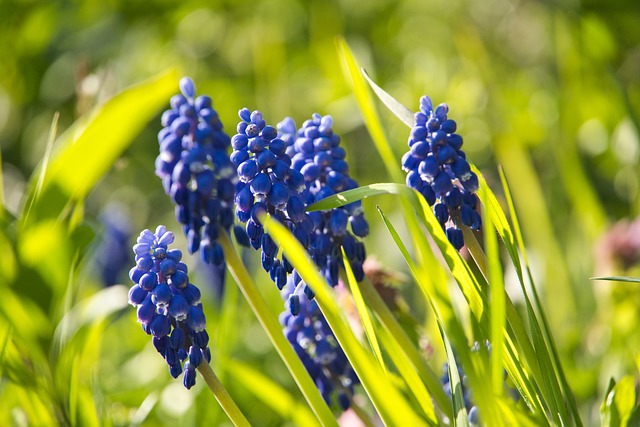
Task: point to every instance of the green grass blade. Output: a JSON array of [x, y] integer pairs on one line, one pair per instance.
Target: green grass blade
[[626, 279], [497, 304], [619, 403], [459, 410], [388, 401], [363, 312], [270, 392], [406, 346], [368, 109], [84, 153], [227, 404], [419, 392], [274, 332], [403, 113], [546, 344]]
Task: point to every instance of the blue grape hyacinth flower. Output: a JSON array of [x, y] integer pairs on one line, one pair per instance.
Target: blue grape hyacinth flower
[[168, 305], [196, 171], [267, 185], [437, 167], [317, 155], [318, 349]]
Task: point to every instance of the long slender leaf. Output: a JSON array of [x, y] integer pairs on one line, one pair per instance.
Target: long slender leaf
[[270, 392], [368, 109], [418, 390], [274, 332], [84, 153], [498, 304], [406, 346], [391, 406], [626, 279], [402, 112], [363, 312]]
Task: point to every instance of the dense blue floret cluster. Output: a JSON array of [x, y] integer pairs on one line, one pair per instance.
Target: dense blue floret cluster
[[267, 184], [317, 347], [196, 171], [318, 156], [438, 169], [168, 306]]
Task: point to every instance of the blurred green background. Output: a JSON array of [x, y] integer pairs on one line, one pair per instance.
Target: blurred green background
[[548, 90]]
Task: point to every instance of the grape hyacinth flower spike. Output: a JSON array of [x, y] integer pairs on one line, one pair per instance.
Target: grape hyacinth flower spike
[[168, 306], [267, 185], [437, 167], [319, 350], [196, 171], [318, 156]]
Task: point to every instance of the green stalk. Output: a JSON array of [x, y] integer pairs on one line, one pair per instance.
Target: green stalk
[[274, 332], [221, 395]]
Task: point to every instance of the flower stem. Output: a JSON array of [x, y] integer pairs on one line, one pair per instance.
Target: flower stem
[[221, 395], [274, 332]]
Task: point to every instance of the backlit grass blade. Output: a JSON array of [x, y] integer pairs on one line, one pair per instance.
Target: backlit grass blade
[[626, 279], [460, 411], [402, 112], [274, 332], [406, 346], [497, 304], [84, 153], [269, 392], [363, 312], [419, 392], [546, 344], [368, 109], [388, 401]]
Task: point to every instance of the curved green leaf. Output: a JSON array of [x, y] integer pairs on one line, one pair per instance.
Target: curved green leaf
[[86, 151]]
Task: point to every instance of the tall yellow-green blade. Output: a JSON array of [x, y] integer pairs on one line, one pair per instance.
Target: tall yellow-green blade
[[86, 151], [387, 399], [363, 312], [368, 109]]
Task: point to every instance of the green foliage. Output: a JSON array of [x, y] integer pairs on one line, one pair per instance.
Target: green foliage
[[549, 112]]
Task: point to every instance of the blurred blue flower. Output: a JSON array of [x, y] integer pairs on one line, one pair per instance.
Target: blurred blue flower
[[112, 258], [437, 167], [168, 306]]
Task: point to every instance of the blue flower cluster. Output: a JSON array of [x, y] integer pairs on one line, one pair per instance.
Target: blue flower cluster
[[317, 347], [168, 306], [317, 155], [438, 169], [196, 171], [267, 184]]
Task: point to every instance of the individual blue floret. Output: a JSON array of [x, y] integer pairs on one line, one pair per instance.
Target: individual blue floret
[[267, 185], [112, 258], [437, 168], [318, 349], [168, 306], [196, 171], [318, 156]]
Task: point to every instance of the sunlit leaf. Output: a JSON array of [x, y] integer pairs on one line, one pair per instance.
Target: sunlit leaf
[[368, 109], [86, 151], [274, 396], [391, 406]]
